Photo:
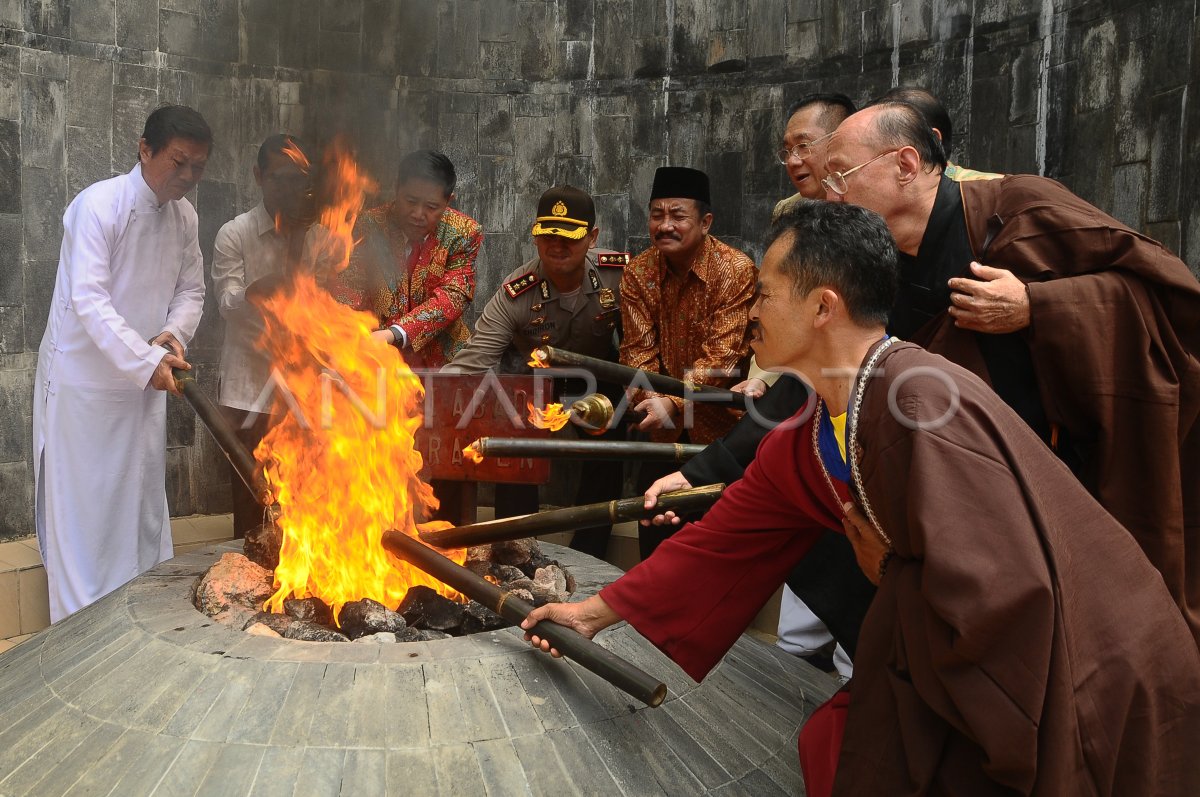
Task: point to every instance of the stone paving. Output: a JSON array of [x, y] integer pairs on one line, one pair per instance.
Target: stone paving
[[141, 694]]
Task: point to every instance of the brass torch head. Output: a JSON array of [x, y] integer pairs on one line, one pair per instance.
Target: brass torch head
[[593, 413]]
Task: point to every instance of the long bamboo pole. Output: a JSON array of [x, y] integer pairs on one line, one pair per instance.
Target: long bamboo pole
[[624, 374], [571, 518], [570, 643], [585, 449], [227, 440]]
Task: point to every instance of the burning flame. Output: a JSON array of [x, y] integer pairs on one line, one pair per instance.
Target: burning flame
[[473, 453], [552, 418], [343, 460], [535, 361], [299, 158]]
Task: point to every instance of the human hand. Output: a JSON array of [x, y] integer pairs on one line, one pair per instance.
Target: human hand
[[170, 341], [588, 617], [997, 302], [753, 388], [384, 336], [667, 484], [869, 549], [163, 379], [660, 412]]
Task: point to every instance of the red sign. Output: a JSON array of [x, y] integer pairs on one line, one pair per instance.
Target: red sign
[[460, 409]]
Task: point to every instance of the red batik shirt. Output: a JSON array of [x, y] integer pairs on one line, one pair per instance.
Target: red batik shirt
[[423, 290]]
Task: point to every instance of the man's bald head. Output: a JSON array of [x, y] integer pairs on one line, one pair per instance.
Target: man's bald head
[[900, 124], [936, 115], [887, 159]]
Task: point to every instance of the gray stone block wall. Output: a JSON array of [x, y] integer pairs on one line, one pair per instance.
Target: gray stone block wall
[[522, 93]]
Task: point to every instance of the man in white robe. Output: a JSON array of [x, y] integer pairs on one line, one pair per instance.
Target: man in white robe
[[127, 299]]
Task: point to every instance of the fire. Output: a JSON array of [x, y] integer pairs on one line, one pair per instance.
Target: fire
[[536, 361], [299, 158], [343, 460], [552, 418], [472, 453]]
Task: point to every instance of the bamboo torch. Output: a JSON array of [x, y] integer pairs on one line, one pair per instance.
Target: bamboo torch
[[585, 449], [549, 356], [572, 517]]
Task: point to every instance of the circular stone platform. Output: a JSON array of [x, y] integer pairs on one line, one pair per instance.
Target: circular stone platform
[[141, 694]]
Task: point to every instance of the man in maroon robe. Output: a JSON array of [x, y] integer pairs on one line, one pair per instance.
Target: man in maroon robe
[[1088, 330], [1019, 642]]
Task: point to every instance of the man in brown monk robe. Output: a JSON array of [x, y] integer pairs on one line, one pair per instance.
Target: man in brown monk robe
[[1019, 641], [1088, 330]]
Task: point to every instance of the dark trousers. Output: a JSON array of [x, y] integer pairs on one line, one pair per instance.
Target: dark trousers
[[650, 537], [601, 480], [831, 584], [251, 428]]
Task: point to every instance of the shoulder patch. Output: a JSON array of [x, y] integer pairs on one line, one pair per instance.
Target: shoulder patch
[[613, 259], [516, 287]]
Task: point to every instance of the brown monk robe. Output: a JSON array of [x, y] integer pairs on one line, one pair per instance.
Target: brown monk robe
[[1019, 641], [1113, 357], [1115, 350]]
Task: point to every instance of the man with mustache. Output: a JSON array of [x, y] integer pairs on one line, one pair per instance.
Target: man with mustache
[[684, 313], [127, 300]]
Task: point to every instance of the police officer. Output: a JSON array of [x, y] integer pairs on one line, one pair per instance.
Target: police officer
[[569, 297]]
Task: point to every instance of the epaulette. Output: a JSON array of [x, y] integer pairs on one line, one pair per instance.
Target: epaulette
[[516, 287], [614, 259]]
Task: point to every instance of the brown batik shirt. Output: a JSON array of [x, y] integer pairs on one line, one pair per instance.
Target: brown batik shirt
[[693, 326]]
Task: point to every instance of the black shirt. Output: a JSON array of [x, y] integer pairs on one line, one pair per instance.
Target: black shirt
[[924, 295]]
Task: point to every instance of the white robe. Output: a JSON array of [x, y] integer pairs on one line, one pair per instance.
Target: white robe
[[129, 269]]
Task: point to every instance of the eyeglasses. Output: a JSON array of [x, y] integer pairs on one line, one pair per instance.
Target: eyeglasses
[[801, 151], [836, 181]]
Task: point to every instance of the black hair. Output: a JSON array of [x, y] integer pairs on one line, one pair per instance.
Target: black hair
[[175, 121], [845, 247], [274, 145], [936, 115], [836, 107], [427, 165], [900, 124]]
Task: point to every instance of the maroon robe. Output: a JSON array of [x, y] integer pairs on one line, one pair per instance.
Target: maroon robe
[[1115, 344], [1020, 642]]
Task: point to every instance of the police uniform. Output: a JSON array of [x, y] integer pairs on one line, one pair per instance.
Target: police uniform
[[529, 311]]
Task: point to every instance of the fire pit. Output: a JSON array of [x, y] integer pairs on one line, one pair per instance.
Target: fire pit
[[140, 693], [235, 588]]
